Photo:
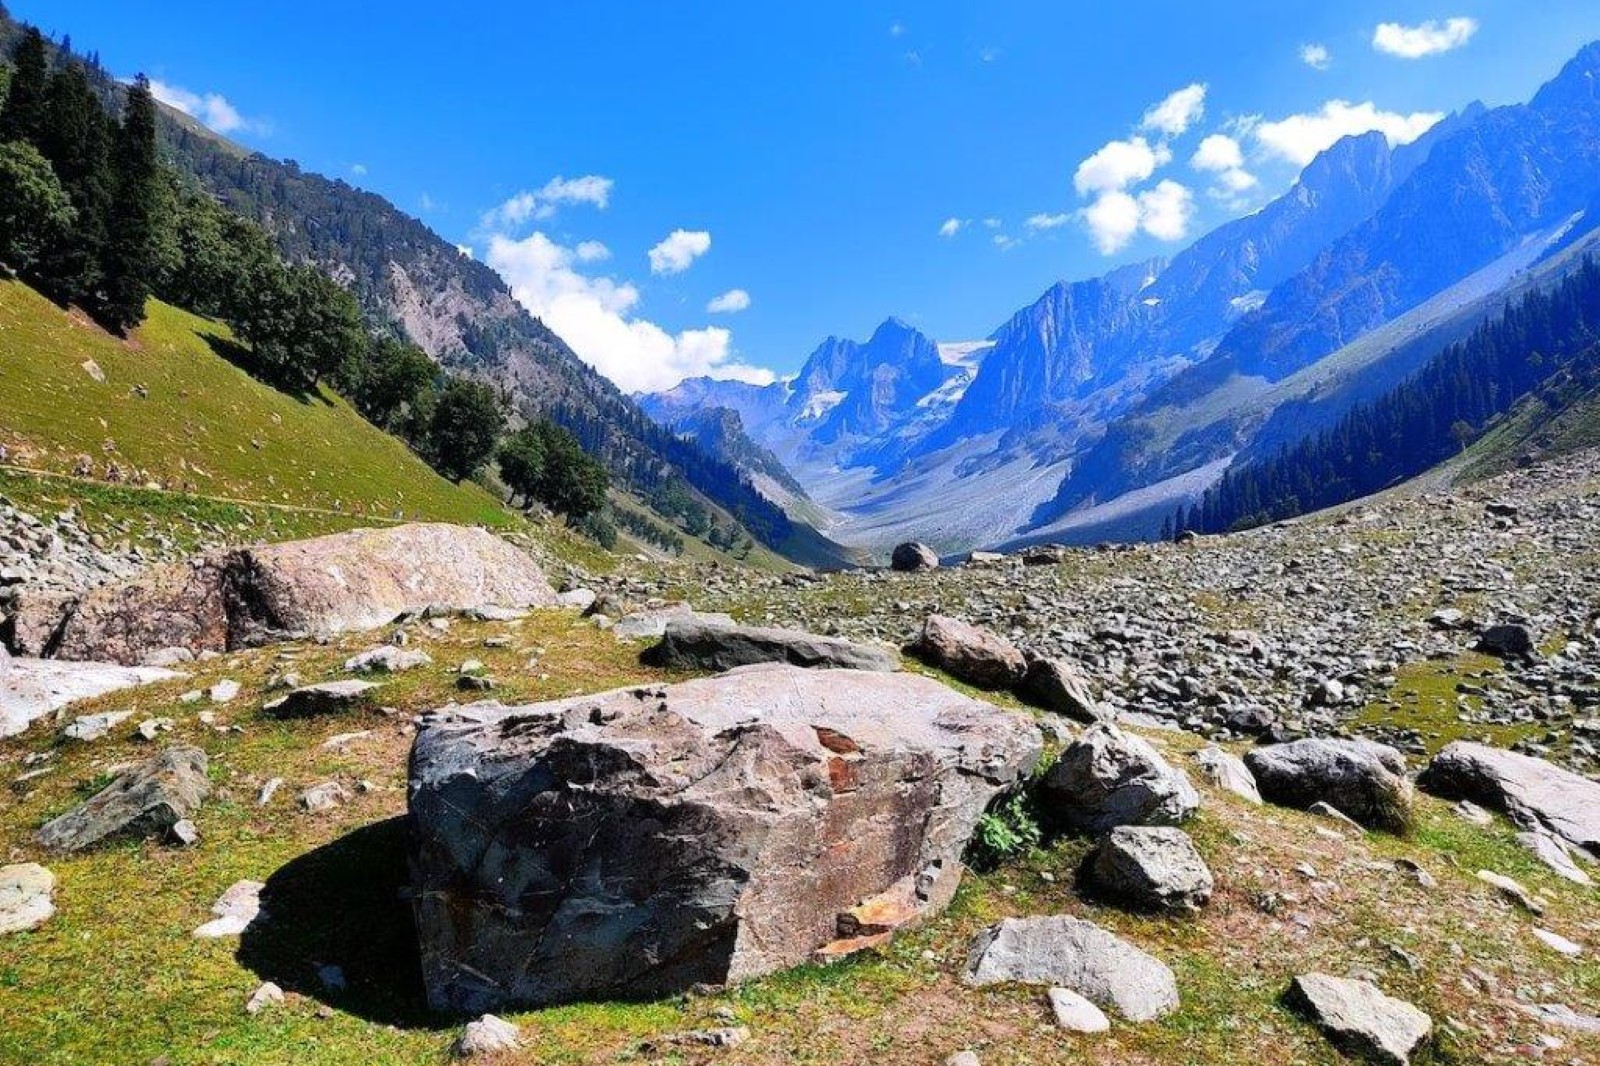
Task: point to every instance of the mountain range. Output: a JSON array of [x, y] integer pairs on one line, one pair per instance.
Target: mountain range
[[1096, 410]]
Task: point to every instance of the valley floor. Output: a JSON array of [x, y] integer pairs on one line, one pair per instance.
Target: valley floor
[[1193, 634]]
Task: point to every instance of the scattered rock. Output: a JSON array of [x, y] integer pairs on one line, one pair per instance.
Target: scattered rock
[[387, 659], [223, 691], [1108, 778], [696, 646], [1534, 793], [1364, 780], [27, 897], [1557, 942], [1149, 868], [1508, 642], [184, 833], [969, 653], [95, 726], [1057, 685], [235, 909], [1360, 1019], [324, 797], [487, 1035], [1076, 955], [33, 688], [1075, 1013], [652, 624], [1512, 890], [1228, 772], [145, 801], [1556, 854], [152, 728], [266, 997], [912, 557], [742, 815], [329, 697]]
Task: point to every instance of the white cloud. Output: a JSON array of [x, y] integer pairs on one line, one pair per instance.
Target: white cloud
[[557, 192], [595, 316], [1005, 242], [1119, 164], [1427, 39], [464, 250], [989, 54], [1221, 155], [358, 169], [1299, 138], [1166, 211], [212, 109], [678, 251], [1040, 222], [730, 302], [951, 226], [1174, 115], [897, 29], [992, 223], [1316, 56], [592, 252], [1113, 221]]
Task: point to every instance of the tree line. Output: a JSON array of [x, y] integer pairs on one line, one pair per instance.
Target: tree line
[[1433, 415], [91, 217]]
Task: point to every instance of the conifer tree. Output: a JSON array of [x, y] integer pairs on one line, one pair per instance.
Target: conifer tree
[[76, 138], [22, 118], [132, 225]]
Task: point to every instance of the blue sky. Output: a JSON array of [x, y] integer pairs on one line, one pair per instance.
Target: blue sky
[[835, 162]]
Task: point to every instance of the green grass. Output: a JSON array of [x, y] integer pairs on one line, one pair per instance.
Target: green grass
[[1424, 698], [172, 411]]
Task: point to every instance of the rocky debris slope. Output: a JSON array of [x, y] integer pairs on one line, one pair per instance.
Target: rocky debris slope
[[643, 841], [1294, 630], [347, 581]]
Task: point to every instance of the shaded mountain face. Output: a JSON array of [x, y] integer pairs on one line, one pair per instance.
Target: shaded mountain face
[[720, 432], [853, 389]]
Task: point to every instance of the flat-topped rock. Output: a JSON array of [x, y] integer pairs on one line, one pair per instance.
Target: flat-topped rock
[[33, 688], [1149, 867], [327, 698], [1535, 794], [1076, 955], [357, 580], [642, 841], [1360, 1019], [144, 801], [692, 645]]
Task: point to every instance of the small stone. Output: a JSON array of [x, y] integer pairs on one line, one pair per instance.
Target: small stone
[[1076, 1014], [1512, 890], [95, 726], [184, 833], [268, 995], [326, 698], [151, 728], [1557, 942], [235, 909], [27, 893], [268, 790], [487, 1035], [324, 797], [223, 691], [964, 1058]]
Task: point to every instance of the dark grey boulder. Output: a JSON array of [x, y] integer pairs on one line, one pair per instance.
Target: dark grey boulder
[[1360, 1019], [145, 801], [1107, 778], [692, 645], [1076, 955], [1154, 868], [1056, 685], [1363, 779], [912, 557], [1537, 795], [647, 840], [969, 653], [1508, 641], [329, 697]]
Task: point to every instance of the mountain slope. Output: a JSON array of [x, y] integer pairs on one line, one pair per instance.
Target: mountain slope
[[168, 408]]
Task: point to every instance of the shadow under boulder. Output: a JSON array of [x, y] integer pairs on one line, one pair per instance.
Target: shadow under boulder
[[337, 916]]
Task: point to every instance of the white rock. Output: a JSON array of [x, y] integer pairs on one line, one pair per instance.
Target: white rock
[[95, 726], [1076, 1014], [26, 891], [486, 1036], [268, 995], [224, 691], [1557, 942], [235, 909]]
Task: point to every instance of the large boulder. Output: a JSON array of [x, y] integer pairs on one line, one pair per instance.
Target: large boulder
[[643, 841], [969, 653], [1362, 779], [1108, 778], [1149, 867], [35, 618], [1057, 685], [692, 645], [1535, 794], [145, 801], [328, 585], [1360, 1019], [910, 557], [1076, 955]]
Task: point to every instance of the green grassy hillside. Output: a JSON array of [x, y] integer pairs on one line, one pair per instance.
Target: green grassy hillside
[[164, 407]]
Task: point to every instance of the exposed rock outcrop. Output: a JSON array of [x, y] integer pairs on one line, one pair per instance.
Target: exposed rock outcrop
[[327, 585], [691, 645], [642, 841]]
